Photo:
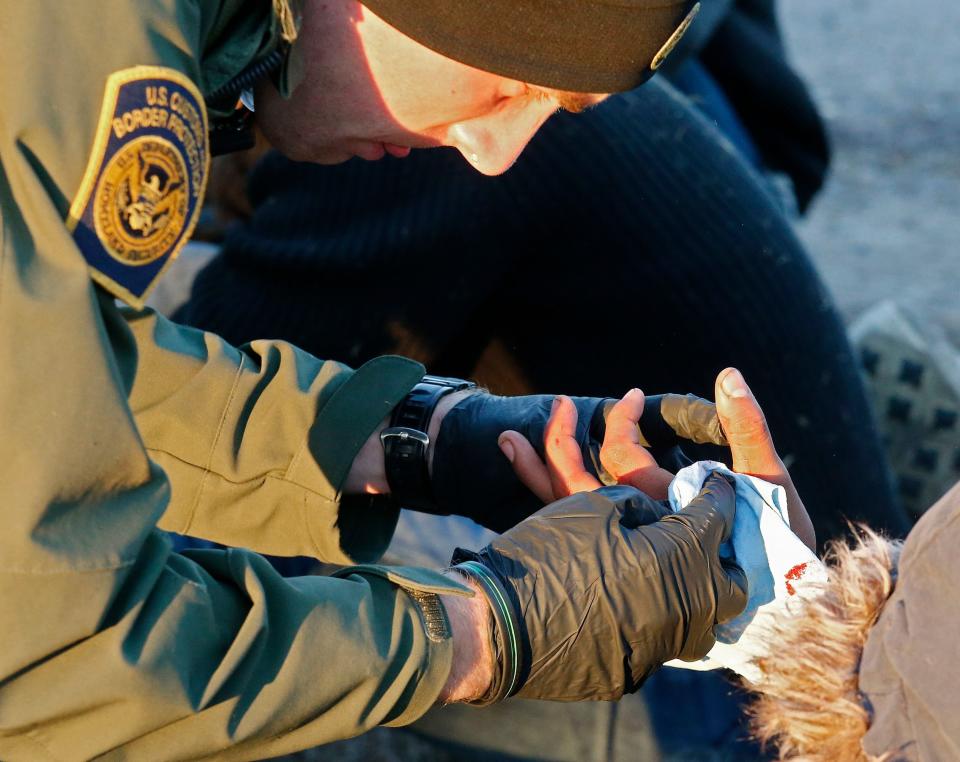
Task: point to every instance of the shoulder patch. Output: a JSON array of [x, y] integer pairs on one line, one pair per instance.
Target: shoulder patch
[[143, 187]]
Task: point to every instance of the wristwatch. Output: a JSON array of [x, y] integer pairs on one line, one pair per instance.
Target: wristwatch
[[406, 441]]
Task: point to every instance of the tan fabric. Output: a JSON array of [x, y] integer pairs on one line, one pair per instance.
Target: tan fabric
[[113, 647], [257, 443], [912, 656]]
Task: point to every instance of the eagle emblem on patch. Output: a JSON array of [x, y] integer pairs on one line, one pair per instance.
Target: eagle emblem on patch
[[143, 188]]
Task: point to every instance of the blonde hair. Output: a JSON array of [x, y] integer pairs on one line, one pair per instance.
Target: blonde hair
[[810, 708]]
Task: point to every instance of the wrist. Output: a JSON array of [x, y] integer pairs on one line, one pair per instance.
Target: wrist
[[471, 671], [444, 406], [367, 473], [407, 447]]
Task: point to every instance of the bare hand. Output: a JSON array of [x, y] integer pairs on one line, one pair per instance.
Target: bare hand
[[628, 462], [564, 474], [752, 447]]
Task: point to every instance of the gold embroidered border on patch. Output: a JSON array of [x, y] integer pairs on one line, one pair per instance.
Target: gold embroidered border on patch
[[127, 197]]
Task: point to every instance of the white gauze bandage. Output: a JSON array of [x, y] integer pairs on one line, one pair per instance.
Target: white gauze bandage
[[780, 569]]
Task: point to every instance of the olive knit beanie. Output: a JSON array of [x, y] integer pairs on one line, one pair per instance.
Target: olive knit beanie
[[591, 46]]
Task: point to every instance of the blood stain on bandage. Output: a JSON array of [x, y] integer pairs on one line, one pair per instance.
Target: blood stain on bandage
[[794, 574]]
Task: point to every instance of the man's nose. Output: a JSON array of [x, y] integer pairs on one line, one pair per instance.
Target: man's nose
[[492, 142]]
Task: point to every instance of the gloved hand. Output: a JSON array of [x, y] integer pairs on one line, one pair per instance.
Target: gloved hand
[[594, 592], [471, 477]]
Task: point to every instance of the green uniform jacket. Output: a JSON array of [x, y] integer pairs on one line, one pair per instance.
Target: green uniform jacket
[[116, 422]]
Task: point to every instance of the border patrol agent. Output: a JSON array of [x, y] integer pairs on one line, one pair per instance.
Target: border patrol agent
[[117, 422]]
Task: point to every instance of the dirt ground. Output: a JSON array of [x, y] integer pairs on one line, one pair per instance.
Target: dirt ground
[[888, 223]]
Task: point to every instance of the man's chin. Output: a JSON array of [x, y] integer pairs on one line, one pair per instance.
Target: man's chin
[[312, 152], [321, 156], [318, 153]]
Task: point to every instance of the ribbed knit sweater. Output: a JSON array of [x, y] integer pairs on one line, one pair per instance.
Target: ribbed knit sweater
[[629, 246]]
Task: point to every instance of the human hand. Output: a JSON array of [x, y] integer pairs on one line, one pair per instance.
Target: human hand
[[594, 592], [751, 446], [622, 456], [471, 477]]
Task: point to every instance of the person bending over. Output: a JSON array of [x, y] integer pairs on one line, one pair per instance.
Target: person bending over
[[119, 422]]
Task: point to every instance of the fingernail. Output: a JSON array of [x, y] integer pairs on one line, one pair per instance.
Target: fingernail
[[506, 447], [734, 386], [556, 401], [634, 392]]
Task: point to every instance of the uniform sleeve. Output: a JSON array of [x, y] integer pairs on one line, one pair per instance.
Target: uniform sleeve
[[258, 441], [112, 645]]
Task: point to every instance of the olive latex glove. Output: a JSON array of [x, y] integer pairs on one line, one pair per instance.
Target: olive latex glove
[[472, 478], [594, 592]]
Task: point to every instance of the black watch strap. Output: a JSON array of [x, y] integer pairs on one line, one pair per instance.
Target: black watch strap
[[405, 442]]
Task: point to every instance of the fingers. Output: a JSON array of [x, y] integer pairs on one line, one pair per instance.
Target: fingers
[[710, 514], [564, 473], [732, 592], [636, 509], [746, 427], [752, 446], [564, 458], [526, 464], [622, 454], [707, 521], [690, 417]]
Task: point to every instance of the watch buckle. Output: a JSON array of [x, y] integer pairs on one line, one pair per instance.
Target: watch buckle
[[404, 434]]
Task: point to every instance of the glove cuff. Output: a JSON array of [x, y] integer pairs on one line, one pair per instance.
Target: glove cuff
[[505, 632]]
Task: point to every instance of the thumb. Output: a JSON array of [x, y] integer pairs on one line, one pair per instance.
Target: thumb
[[752, 446], [746, 427], [527, 465], [732, 591]]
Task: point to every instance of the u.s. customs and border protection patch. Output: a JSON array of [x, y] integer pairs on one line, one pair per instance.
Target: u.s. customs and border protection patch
[[143, 188]]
